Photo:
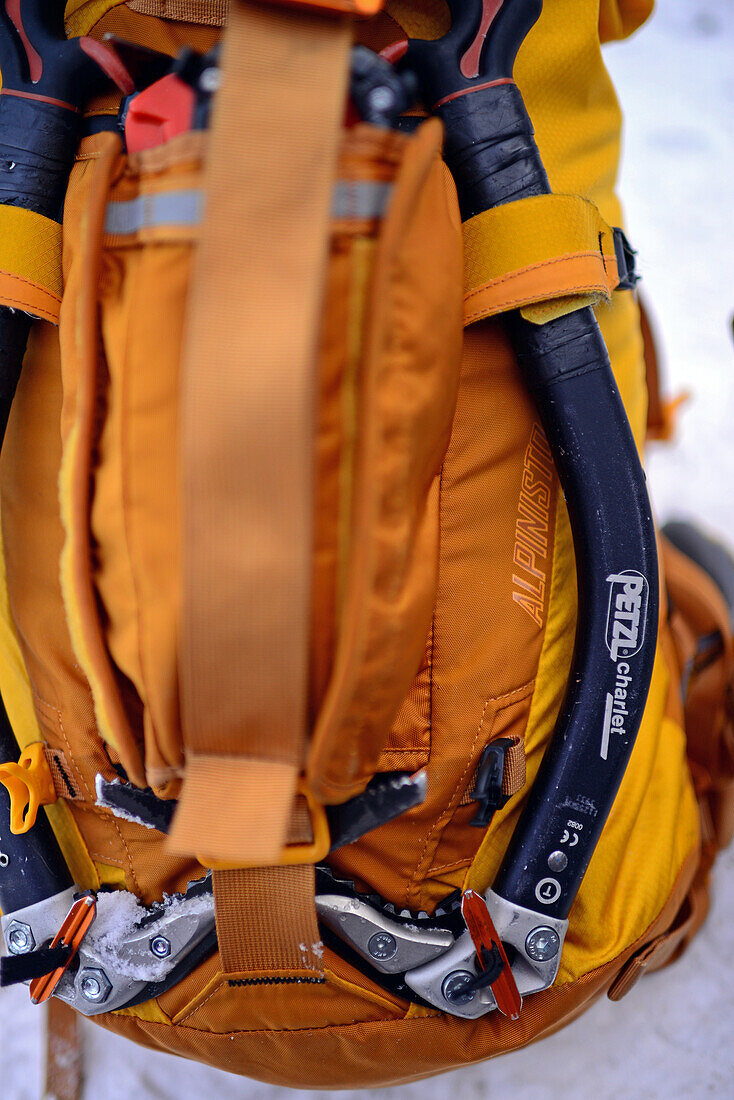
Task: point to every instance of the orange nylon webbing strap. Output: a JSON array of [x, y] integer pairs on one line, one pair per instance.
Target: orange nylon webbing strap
[[266, 922], [215, 12], [248, 396], [64, 1063], [212, 13]]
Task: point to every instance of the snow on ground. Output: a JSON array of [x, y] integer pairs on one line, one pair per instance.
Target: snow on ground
[[672, 1035]]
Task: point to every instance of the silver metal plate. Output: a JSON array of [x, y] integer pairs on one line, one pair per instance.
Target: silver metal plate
[[388, 945], [514, 925]]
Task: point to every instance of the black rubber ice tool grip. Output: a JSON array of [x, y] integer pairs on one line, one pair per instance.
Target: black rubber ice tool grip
[[466, 79]]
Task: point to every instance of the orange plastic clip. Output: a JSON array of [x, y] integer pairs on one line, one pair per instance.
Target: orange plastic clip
[[485, 938], [71, 934], [30, 785]]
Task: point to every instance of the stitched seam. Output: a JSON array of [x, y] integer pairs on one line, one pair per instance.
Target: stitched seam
[[125, 466], [30, 282], [584, 979], [202, 1003], [451, 866], [507, 698], [497, 280], [131, 868], [234, 982], [70, 757], [519, 302], [447, 810]]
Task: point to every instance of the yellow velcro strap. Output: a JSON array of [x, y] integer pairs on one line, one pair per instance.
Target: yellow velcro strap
[[30, 262], [546, 256]]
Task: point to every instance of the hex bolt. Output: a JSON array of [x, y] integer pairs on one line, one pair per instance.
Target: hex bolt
[[161, 947], [94, 985], [542, 944], [19, 938], [382, 946], [453, 986], [558, 861]]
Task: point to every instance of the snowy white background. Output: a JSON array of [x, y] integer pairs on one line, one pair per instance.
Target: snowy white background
[[672, 1036]]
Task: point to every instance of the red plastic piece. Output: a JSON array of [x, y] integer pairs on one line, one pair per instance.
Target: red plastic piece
[[470, 61], [158, 114], [35, 61], [395, 51], [109, 63], [484, 936]]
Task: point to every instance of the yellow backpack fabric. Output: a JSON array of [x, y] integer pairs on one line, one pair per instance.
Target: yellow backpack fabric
[[435, 626]]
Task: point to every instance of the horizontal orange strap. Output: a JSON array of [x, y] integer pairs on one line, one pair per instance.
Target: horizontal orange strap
[[547, 255], [30, 262], [235, 809], [308, 839], [345, 7]]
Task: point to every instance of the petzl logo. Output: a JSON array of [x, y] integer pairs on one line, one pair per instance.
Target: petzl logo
[[627, 613]]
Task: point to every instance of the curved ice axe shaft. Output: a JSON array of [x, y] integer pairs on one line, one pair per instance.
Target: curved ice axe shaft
[[466, 79]]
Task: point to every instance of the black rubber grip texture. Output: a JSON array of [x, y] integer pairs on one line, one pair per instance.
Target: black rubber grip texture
[[490, 149], [38, 144], [492, 154]]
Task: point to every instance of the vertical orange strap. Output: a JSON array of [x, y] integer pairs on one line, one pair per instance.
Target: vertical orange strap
[[64, 1063], [266, 923], [248, 395]]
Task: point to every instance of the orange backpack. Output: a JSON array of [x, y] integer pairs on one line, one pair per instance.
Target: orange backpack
[[284, 544]]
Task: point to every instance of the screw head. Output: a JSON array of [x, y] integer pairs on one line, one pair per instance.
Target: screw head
[[542, 944], [19, 938], [94, 985], [210, 80], [558, 861], [454, 985], [383, 946], [381, 99], [161, 947]]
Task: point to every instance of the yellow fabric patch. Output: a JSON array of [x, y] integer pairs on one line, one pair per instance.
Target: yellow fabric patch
[[430, 19], [110, 876], [151, 1012], [30, 262], [81, 15], [534, 250]]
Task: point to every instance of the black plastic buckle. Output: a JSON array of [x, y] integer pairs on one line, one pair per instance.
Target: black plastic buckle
[[488, 785], [626, 264]]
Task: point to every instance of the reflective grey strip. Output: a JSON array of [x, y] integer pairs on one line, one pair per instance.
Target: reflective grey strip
[[174, 208], [185, 208], [360, 200]]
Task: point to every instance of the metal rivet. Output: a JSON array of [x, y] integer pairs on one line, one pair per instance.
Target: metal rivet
[[19, 938], [160, 947], [454, 984], [94, 985], [381, 99], [210, 80], [542, 944], [382, 946], [558, 861]]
